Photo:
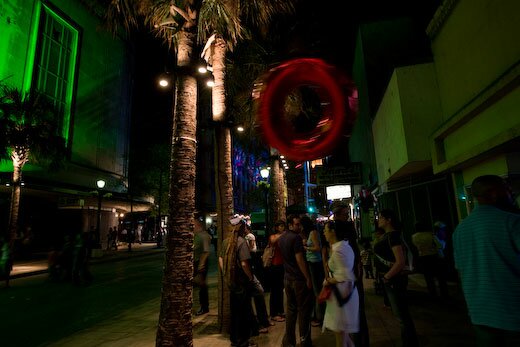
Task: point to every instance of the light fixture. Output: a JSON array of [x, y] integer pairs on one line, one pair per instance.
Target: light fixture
[[282, 157], [202, 69], [240, 129], [264, 173], [284, 161], [121, 215], [210, 83], [100, 184], [163, 83]]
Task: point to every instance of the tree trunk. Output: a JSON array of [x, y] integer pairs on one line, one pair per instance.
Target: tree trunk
[[223, 170], [175, 319], [278, 208], [15, 203]]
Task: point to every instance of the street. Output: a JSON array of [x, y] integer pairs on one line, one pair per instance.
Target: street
[[37, 312]]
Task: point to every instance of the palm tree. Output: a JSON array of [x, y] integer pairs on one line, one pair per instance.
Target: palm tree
[[177, 21], [221, 33], [30, 131]]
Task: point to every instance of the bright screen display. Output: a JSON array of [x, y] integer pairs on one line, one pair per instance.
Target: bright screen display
[[338, 192]]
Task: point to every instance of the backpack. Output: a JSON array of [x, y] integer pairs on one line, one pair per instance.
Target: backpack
[[409, 266]]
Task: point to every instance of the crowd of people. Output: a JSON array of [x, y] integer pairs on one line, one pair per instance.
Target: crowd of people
[[320, 267]]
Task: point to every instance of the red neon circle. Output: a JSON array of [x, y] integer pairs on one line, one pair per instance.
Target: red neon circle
[[331, 127]]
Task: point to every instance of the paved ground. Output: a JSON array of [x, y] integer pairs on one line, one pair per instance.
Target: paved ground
[[134, 324]]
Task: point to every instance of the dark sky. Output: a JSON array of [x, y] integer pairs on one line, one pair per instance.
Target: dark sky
[[326, 29]]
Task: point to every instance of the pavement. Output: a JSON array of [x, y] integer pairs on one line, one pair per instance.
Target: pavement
[[438, 323]]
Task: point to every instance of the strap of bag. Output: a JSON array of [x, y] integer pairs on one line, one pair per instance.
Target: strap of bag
[[343, 301]]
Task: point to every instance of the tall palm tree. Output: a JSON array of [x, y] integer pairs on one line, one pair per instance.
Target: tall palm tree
[[222, 24], [177, 22], [30, 131]]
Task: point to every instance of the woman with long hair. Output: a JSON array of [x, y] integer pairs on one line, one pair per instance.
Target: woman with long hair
[[390, 252], [344, 319], [276, 306]]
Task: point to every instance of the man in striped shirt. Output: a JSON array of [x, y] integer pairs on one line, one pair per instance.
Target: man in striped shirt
[[487, 255]]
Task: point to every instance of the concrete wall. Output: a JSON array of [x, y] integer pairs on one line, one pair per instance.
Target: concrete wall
[[476, 54], [409, 111]]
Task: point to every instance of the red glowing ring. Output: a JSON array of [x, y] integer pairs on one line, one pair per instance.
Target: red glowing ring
[[279, 84]]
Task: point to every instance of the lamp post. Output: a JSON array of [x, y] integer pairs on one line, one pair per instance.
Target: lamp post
[[265, 175], [100, 185]]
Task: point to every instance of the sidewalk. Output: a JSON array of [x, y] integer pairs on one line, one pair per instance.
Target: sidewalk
[[437, 323]]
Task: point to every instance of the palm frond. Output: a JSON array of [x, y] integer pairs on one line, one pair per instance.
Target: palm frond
[[217, 16]]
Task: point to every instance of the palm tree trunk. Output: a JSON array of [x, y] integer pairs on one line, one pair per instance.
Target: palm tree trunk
[[223, 169], [277, 192], [175, 319], [15, 203]]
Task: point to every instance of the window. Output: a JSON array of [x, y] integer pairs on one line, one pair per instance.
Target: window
[[54, 71]]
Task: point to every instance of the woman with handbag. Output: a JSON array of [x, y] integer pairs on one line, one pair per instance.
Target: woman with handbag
[[342, 312]]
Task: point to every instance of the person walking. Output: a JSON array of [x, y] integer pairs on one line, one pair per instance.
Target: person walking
[[201, 249], [487, 255], [390, 252], [234, 264], [343, 320], [428, 248], [276, 272], [297, 284]]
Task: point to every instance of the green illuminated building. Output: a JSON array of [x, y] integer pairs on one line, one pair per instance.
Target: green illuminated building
[[59, 48]]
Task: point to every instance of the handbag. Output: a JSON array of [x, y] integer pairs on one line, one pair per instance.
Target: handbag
[[267, 256], [325, 293]]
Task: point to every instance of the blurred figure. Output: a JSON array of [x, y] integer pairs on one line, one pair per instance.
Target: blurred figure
[[6, 261], [428, 247], [367, 255], [201, 248], [80, 270], [487, 255]]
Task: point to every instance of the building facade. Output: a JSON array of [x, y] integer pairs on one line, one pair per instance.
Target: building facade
[[58, 48]]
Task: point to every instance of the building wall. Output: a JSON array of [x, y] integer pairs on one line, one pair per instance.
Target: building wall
[[476, 55], [98, 138]]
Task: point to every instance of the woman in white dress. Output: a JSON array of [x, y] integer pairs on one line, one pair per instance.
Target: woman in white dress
[[342, 320]]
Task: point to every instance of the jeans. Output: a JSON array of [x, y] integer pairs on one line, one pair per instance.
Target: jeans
[[242, 318], [276, 273], [299, 307], [396, 291]]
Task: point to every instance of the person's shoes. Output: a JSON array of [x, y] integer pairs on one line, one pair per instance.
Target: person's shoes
[[201, 312], [315, 323]]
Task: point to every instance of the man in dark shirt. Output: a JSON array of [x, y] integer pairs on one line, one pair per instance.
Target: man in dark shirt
[[298, 285]]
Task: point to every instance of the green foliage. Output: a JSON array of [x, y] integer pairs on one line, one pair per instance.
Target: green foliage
[[29, 123]]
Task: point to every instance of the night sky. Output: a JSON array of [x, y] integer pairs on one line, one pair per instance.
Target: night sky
[[318, 29]]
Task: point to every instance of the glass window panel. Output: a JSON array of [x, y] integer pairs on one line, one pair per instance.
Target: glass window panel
[[50, 86]]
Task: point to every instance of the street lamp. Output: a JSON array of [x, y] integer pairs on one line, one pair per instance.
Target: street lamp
[[100, 185], [265, 175]]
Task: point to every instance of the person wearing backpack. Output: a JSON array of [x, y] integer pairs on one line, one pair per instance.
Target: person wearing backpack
[[390, 251]]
